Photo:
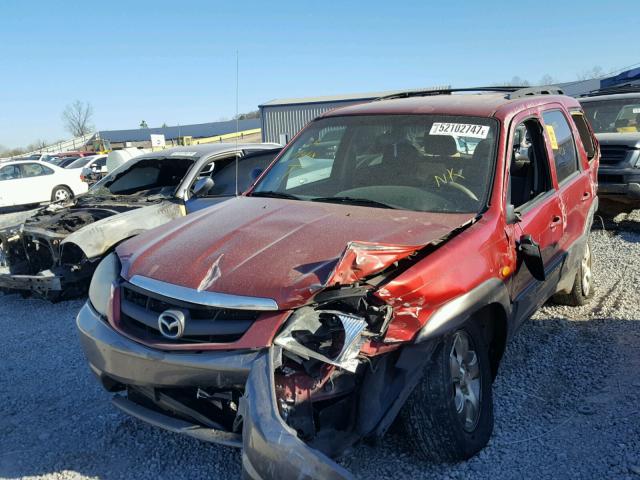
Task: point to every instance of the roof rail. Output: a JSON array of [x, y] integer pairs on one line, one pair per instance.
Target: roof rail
[[632, 87], [511, 91]]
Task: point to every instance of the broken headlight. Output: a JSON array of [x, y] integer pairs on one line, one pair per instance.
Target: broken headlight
[[101, 283], [330, 336]]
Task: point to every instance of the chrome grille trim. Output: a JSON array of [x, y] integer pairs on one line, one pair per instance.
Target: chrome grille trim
[[207, 299]]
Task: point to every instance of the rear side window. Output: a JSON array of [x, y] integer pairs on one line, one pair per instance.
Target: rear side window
[[32, 170], [585, 133], [562, 143]]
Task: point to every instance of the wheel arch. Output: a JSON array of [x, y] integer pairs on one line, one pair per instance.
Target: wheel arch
[[495, 325], [65, 186]]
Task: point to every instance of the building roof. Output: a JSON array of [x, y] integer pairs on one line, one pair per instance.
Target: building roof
[[199, 130], [350, 97]]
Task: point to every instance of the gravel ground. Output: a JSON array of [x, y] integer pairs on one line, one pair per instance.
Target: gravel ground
[[566, 397]]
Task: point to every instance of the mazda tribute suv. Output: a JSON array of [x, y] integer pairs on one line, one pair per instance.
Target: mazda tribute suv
[[374, 273]]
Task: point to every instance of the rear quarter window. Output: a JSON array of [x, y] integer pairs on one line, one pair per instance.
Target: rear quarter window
[[585, 133]]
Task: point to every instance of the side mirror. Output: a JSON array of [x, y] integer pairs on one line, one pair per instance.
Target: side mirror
[[256, 172], [202, 187], [532, 257], [513, 216]]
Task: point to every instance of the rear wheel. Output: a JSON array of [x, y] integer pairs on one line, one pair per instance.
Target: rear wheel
[[61, 193], [582, 289], [449, 416]]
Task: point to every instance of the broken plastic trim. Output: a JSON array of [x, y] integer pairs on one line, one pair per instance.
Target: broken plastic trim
[[310, 323]]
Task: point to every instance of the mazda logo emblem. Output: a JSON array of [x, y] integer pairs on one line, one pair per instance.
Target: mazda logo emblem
[[171, 324]]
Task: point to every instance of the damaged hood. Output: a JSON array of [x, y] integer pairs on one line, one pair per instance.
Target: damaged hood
[[285, 250]]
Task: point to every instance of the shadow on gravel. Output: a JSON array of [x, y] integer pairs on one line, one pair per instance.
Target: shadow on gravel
[[564, 406]]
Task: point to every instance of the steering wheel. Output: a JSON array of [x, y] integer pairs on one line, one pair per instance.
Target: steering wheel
[[463, 189]]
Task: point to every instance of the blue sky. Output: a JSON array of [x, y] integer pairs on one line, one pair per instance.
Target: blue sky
[[174, 61]]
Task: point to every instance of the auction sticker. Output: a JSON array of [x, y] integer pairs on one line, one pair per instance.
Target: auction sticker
[[552, 136], [462, 129], [636, 110]]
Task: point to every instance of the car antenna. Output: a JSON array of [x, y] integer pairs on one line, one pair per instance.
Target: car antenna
[[237, 121]]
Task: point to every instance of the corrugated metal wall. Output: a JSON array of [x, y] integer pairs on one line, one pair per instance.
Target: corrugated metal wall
[[290, 119]]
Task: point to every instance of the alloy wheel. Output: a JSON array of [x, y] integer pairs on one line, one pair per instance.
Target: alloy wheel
[[61, 194], [465, 373]]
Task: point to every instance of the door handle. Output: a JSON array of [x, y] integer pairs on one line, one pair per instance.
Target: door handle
[[555, 221], [586, 196]]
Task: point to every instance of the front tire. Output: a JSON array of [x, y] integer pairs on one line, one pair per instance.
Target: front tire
[[61, 194], [449, 416]]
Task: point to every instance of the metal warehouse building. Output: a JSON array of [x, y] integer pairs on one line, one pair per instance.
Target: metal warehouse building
[[283, 118]]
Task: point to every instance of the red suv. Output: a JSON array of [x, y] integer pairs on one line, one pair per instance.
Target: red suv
[[375, 272]]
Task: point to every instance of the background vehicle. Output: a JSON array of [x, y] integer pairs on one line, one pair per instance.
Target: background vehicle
[[91, 168], [30, 182], [55, 251], [614, 114], [309, 314]]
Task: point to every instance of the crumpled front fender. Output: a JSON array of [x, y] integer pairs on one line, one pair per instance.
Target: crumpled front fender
[[271, 449], [99, 237]]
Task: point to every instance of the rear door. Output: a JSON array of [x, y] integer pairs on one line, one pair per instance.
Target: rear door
[[572, 172], [533, 193], [38, 181]]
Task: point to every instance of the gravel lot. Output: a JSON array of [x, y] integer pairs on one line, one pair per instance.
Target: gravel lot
[[566, 397]]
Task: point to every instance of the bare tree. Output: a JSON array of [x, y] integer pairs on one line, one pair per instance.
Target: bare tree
[[37, 145], [518, 82], [594, 72], [547, 80], [77, 118]]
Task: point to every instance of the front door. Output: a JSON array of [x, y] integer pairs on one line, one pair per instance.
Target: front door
[[533, 193]]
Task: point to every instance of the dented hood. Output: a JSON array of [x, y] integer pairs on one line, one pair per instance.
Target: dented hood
[[285, 250]]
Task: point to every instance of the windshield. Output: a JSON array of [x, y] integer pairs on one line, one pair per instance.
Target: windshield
[[614, 116], [145, 177], [430, 163], [80, 162]]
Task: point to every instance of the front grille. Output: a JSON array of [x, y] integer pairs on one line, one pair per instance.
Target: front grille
[[612, 155], [139, 311]]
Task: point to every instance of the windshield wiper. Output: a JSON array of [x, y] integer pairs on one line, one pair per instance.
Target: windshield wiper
[[353, 201], [274, 194]]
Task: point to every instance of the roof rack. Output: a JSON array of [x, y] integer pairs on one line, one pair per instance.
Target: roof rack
[[512, 92], [632, 87]]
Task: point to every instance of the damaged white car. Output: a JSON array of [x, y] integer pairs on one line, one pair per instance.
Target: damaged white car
[[55, 250]]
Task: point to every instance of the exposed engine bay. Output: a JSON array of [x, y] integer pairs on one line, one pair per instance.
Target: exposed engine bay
[[59, 245]]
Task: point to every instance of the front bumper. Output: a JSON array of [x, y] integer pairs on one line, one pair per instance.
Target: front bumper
[[113, 357], [617, 182], [271, 449], [44, 282]]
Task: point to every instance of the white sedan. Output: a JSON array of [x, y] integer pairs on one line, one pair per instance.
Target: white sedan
[[32, 182]]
